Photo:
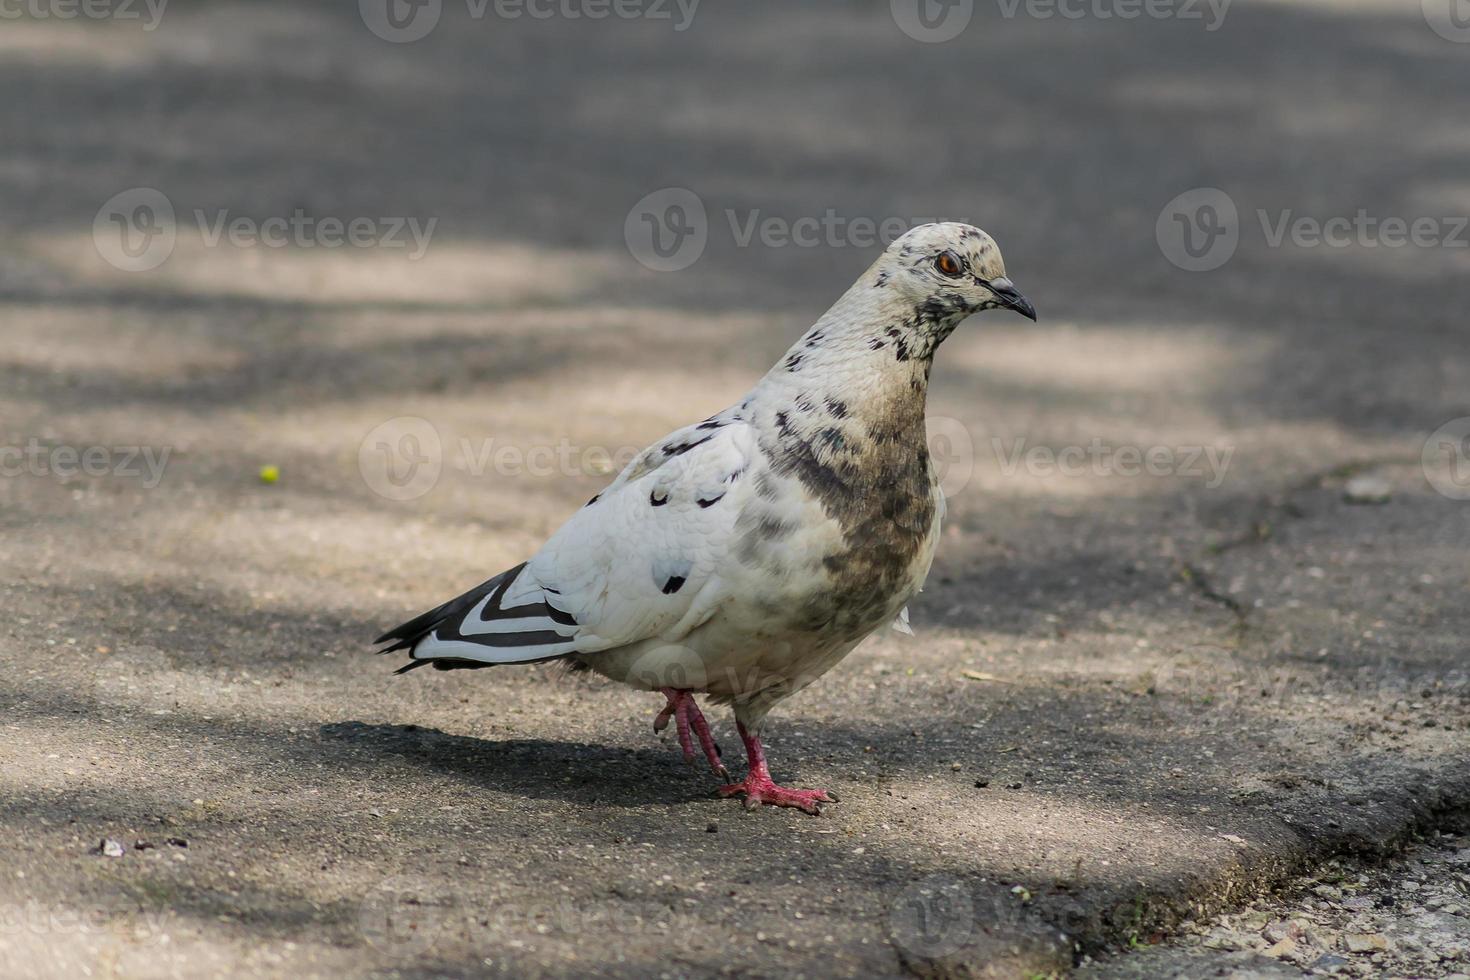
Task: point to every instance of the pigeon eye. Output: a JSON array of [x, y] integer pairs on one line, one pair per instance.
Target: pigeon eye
[[949, 264]]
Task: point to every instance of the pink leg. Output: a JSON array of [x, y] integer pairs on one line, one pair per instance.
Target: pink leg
[[687, 716], [759, 788]]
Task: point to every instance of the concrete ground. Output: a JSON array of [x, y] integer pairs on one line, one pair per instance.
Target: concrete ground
[[1133, 698]]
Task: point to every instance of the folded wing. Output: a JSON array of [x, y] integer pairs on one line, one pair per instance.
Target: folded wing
[[641, 560]]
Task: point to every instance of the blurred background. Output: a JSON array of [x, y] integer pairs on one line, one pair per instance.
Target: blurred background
[[316, 313]]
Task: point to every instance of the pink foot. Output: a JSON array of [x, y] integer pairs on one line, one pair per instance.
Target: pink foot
[[759, 788], [762, 790], [687, 717]]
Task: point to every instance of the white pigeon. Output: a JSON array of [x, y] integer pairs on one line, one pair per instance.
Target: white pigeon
[[745, 555]]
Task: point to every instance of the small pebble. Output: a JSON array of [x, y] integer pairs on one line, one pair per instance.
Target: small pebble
[[1359, 943], [1368, 488]]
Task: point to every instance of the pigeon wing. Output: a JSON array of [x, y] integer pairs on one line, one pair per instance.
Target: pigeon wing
[[641, 560]]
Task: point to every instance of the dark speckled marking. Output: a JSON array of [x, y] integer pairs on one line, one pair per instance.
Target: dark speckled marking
[[881, 498], [655, 500], [674, 584], [875, 344], [803, 403], [595, 498], [837, 408], [764, 488], [937, 309], [882, 279], [815, 339], [773, 529], [793, 363], [710, 424], [711, 501], [680, 448]]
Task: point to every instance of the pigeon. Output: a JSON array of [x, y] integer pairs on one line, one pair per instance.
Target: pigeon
[[743, 556]]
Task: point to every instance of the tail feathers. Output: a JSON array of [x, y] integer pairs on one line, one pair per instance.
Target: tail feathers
[[408, 635], [443, 663]]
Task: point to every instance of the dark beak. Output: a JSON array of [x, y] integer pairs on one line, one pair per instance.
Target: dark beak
[[1011, 298]]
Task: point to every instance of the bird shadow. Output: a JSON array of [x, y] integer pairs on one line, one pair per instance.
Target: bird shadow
[[571, 771]]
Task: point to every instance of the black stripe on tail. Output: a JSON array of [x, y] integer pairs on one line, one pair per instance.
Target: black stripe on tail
[[410, 633]]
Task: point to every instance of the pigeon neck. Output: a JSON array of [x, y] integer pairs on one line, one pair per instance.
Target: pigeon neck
[[871, 352]]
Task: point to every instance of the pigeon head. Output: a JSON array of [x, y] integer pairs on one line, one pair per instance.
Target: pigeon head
[[947, 271]]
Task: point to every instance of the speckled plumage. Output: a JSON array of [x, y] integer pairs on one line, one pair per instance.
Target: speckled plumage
[[745, 555]]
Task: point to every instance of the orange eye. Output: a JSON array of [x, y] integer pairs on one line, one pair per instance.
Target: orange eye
[[949, 264]]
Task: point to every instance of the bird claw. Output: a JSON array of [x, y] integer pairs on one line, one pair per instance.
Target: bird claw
[[760, 790], [690, 723]]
